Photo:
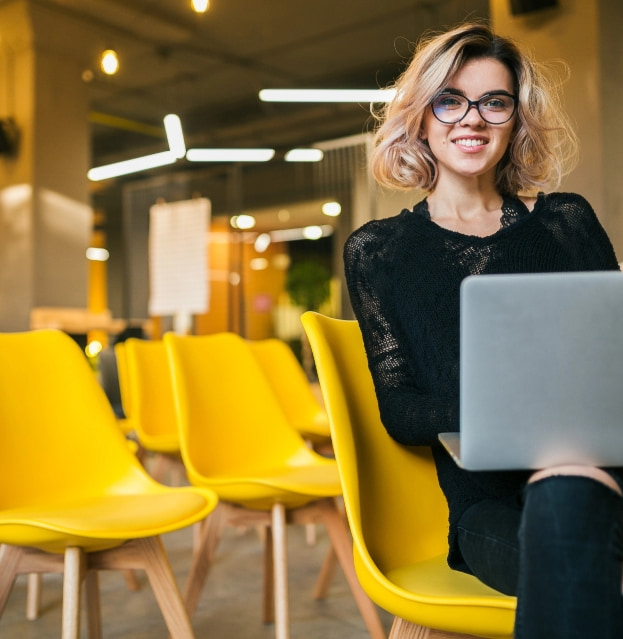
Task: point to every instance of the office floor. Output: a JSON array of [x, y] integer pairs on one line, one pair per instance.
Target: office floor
[[230, 605]]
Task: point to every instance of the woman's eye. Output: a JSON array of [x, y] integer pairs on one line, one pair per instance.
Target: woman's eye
[[448, 102], [497, 103]]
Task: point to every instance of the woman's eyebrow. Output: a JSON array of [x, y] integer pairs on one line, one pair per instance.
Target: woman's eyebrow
[[453, 91]]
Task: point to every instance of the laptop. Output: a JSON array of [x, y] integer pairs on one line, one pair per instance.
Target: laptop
[[541, 371]]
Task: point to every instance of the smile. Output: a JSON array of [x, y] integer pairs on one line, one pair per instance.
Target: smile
[[470, 142]]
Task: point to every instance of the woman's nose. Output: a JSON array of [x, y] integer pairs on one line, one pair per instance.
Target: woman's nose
[[472, 117]]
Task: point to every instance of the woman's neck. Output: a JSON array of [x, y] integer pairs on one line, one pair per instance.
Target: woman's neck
[[474, 209]]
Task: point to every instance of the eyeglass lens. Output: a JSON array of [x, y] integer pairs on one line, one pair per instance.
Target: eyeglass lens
[[494, 108]]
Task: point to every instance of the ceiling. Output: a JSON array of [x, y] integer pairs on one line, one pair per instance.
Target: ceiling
[[209, 68]]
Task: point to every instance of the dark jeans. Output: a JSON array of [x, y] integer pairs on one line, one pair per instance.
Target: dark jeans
[[560, 552]]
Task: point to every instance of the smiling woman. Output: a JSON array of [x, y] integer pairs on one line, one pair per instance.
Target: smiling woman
[[477, 126]]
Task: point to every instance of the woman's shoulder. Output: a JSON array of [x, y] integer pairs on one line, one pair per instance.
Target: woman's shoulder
[[377, 241], [385, 228], [560, 202]]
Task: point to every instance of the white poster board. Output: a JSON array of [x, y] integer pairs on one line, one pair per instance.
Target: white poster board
[[178, 259]]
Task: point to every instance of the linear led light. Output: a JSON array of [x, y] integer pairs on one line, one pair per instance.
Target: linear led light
[[304, 155], [175, 135], [229, 155], [305, 233], [327, 95], [143, 163]]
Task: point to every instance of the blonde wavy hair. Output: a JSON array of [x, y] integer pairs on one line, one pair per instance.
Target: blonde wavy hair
[[543, 146]]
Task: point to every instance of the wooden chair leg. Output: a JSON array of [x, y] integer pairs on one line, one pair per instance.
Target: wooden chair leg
[[326, 574], [282, 620], [131, 580], [75, 568], [94, 614], [268, 589], [402, 629], [165, 589], [203, 555], [10, 557], [342, 544], [310, 534], [33, 595]]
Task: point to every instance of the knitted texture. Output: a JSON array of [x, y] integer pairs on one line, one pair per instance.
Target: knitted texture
[[404, 274]]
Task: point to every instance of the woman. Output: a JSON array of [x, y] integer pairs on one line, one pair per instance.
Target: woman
[[476, 125]]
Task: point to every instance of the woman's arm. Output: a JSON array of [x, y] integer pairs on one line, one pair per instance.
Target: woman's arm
[[411, 415]]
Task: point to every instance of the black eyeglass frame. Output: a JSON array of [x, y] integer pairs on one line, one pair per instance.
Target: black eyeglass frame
[[475, 103]]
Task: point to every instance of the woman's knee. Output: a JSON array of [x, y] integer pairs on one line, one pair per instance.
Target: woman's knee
[[566, 504], [592, 472]]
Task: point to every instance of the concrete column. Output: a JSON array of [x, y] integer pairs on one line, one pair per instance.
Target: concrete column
[[45, 218], [586, 36]]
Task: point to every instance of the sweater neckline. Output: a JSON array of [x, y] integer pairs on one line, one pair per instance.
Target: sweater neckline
[[513, 212]]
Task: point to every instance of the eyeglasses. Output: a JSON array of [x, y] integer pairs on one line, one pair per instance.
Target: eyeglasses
[[494, 108]]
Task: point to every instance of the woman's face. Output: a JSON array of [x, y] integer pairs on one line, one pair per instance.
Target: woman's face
[[472, 147]]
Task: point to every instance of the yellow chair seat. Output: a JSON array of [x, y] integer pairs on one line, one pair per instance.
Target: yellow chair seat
[[102, 521], [267, 486], [435, 588]]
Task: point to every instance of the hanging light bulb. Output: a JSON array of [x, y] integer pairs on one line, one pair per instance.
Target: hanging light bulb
[[200, 6], [109, 62]]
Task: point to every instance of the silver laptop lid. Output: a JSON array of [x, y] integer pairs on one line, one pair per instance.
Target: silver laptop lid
[[541, 370]]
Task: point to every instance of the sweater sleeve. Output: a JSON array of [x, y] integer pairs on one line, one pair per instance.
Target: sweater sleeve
[[577, 228], [410, 415]]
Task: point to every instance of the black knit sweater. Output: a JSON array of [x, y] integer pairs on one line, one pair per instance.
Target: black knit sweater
[[404, 274]]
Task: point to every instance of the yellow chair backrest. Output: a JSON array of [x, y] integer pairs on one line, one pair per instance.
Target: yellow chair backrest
[[289, 382], [391, 492], [59, 433], [229, 418], [124, 381], [150, 388]]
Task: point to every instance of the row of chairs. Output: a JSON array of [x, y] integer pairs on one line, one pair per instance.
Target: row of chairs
[[400, 536], [239, 452], [399, 551]]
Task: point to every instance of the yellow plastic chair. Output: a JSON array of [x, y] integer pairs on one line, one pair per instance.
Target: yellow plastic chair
[[74, 499], [396, 511], [294, 391], [152, 405], [126, 423], [301, 406], [236, 440]]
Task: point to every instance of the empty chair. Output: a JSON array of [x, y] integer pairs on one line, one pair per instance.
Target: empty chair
[[126, 422], [74, 499], [152, 408], [236, 439], [294, 391], [396, 511]]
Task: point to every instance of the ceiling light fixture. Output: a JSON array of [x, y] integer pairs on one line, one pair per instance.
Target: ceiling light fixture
[[304, 155], [175, 135], [131, 166], [200, 6], [242, 222], [332, 209], [95, 254], [229, 155], [308, 232], [327, 95], [109, 62]]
